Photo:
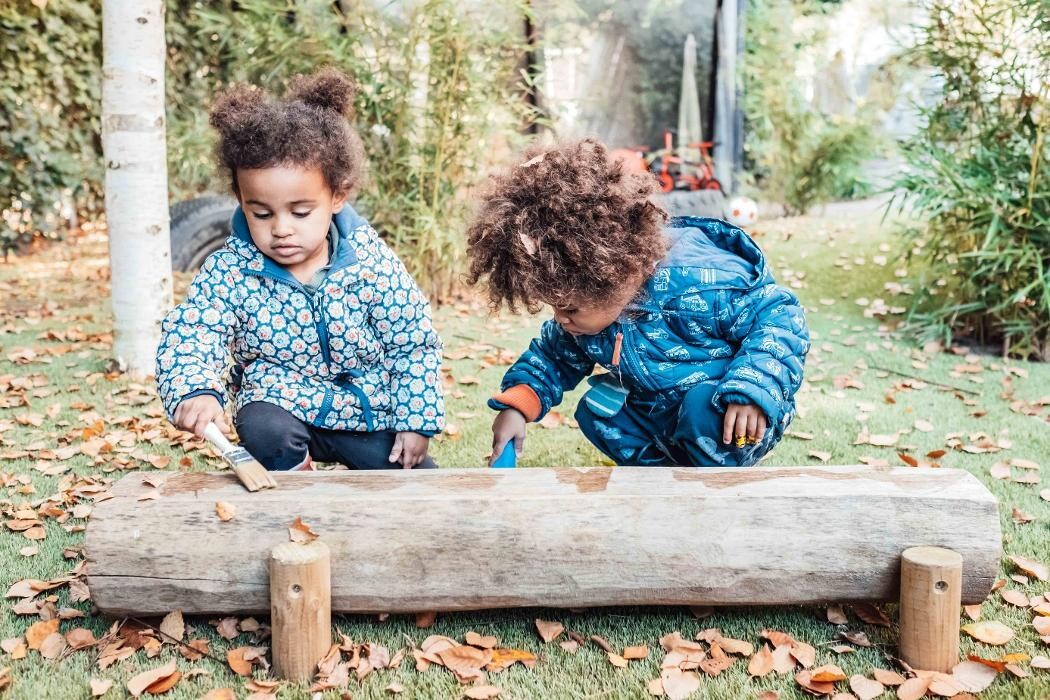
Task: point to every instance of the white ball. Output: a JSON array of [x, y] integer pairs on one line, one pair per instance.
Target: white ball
[[741, 211]]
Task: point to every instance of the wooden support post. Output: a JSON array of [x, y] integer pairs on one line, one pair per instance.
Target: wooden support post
[[931, 588], [300, 608]]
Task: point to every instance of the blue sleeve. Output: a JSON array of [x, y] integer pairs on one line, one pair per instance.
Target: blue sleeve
[[552, 365], [769, 325], [194, 350]]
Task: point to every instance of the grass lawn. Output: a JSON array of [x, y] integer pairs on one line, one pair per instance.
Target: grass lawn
[[64, 417]]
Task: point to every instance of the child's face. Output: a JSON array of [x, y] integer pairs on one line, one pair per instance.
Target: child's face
[[289, 211], [579, 319]]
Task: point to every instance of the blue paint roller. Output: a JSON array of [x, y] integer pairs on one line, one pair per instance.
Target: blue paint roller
[[507, 458]]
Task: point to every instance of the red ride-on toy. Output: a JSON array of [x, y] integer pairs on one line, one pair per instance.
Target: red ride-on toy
[[677, 173]]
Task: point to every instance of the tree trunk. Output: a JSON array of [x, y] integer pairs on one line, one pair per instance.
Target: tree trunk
[[466, 539], [136, 186]]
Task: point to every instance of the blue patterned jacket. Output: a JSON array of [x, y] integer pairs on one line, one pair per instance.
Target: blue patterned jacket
[[710, 312], [361, 354]]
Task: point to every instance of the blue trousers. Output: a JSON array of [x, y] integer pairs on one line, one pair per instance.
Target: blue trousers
[[688, 435]]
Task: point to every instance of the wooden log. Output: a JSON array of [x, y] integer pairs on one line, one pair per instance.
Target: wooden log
[[300, 607], [468, 539], [931, 584]]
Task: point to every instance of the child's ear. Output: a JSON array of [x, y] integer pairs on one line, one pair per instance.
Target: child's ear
[[339, 198]]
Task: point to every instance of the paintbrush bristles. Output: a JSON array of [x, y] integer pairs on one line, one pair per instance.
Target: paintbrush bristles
[[248, 470]]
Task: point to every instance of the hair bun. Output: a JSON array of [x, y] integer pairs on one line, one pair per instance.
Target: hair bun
[[328, 88], [234, 106]]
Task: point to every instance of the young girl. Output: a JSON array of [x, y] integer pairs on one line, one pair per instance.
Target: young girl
[[334, 354], [701, 353]]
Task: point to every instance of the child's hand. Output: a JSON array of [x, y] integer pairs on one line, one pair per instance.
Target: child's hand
[[743, 424], [509, 425], [195, 413], [409, 448]]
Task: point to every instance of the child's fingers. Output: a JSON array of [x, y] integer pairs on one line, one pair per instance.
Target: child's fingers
[[761, 427], [397, 449], [728, 423], [752, 425]]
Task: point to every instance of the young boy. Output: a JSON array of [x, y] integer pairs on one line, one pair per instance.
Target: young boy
[[701, 353]]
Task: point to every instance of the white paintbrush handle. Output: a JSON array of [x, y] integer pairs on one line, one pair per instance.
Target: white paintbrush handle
[[213, 435]]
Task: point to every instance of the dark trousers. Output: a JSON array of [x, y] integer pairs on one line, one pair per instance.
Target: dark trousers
[[687, 435], [281, 441]]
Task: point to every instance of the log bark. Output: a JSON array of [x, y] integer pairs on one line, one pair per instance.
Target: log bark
[[468, 539]]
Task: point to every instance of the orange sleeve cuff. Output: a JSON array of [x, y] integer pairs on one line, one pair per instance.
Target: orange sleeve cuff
[[521, 397]]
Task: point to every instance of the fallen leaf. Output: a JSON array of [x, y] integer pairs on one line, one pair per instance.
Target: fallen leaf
[[679, 684], [235, 658], [829, 673], [858, 638], [871, 614], [924, 426], [972, 676], [475, 639], [80, 637], [638, 652], [163, 685], [617, 660], [836, 615], [39, 631], [1031, 567], [865, 688], [194, 650], [225, 511], [16, 647], [99, 687], [425, 619], [842, 649], [805, 679], [914, 688], [1014, 597], [973, 611], [172, 626], [505, 658], [1000, 470], [1041, 662], [138, 685], [227, 628], [482, 692], [300, 532], [735, 646], [761, 663], [887, 677], [549, 630], [570, 645], [989, 632], [52, 647], [805, 654], [656, 687]]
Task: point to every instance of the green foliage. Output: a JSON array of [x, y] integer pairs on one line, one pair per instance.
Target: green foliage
[[977, 174], [438, 93], [50, 88], [797, 155]]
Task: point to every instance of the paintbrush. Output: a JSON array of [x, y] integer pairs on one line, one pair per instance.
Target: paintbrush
[[252, 474]]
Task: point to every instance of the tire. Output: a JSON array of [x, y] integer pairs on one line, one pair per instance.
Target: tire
[[199, 227], [709, 203]]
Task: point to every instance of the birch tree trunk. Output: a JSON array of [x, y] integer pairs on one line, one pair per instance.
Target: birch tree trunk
[[133, 131]]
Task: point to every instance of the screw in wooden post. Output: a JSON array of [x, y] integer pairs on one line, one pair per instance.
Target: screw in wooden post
[[931, 593], [300, 607]]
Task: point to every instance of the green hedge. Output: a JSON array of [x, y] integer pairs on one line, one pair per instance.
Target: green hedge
[[439, 92]]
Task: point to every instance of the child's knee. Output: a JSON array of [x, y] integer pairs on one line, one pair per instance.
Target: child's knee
[[276, 438], [699, 433]]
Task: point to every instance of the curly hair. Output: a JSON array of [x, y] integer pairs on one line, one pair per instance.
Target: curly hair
[[565, 224], [308, 128]]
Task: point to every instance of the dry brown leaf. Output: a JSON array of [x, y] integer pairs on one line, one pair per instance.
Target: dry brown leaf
[[1041, 662], [1031, 567], [138, 685], [777, 638], [486, 642], [219, 694], [425, 619], [973, 611], [237, 661], [570, 645], [887, 677], [300, 532], [871, 614], [836, 615], [679, 684], [914, 688], [505, 658], [842, 649], [39, 631], [53, 646], [100, 686], [805, 654], [829, 673], [805, 679], [616, 660], [227, 628], [80, 637], [225, 511], [761, 663], [463, 658], [549, 630], [1042, 625], [482, 692], [783, 661], [637, 652], [736, 646], [712, 667], [16, 647], [656, 687], [989, 632], [865, 688], [973, 676], [163, 685], [173, 626], [194, 650], [1014, 597]]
